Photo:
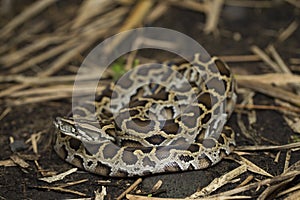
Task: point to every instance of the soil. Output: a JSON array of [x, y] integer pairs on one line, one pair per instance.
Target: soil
[[254, 26]]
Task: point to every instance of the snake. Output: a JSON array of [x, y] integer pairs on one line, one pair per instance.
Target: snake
[[157, 118]]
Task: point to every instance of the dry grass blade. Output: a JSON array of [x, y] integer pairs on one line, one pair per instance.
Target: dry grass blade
[[273, 180], [33, 10], [59, 189], [219, 182], [89, 9], [263, 148], [265, 58], [289, 30], [271, 78], [249, 3], [271, 91], [213, 14], [134, 185], [19, 55]]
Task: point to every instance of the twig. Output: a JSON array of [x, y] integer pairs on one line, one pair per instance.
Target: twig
[[240, 58], [265, 58], [264, 147], [33, 10], [138, 181], [271, 91], [215, 8], [249, 3], [271, 78], [289, 30], [60, 190]]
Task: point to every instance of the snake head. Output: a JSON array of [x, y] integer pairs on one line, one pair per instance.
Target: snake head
[[66, 126]]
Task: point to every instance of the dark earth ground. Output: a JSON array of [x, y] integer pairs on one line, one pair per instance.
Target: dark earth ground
[[256, 26]]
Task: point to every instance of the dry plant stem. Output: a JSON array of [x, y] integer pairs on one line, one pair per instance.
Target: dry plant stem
[[59, 189], [271, 78], [44, 56], [275, 179], [31, 11], [252, 167], [89, 9], [295, 188], [289, 30], [240, 58], [133, 20], [267, 107], [157, 12], [283, 67], [138, 197], [271, 91], [4, 113], [73, 183], [264, 147], [213, 14], [38, 99], [134, 185], [249, 3], [219, 182], [287, 160], [271, 189], [265, 58], [246, 181], [190, 4], [19, 55]]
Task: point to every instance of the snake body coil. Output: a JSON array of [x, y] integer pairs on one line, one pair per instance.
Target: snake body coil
[[158, 118]]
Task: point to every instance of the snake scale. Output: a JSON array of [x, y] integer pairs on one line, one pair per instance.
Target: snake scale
[[157, 118]]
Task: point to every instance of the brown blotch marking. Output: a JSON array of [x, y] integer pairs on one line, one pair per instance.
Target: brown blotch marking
[[172, 167], [189, 121], [129, 158], [223, 69], [221, 139], [91, 149], [180, 144], [141, 126], [107, 92], [186, 158], [206, 118], [147, 162], [136, 103], [193, 148], [110, 150], [163, 152], [170, 127], [155, 139], [78, 161], [130, 143], [199, 138], [125, 82], [209, 143], [75, 144], [227, 131], [206, 100], [161, 95], [102, 169]]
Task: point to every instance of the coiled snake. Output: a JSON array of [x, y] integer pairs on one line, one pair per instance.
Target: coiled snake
[[159, 118]]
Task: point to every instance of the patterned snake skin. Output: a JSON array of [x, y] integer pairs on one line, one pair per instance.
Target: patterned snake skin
[[157, 118]]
